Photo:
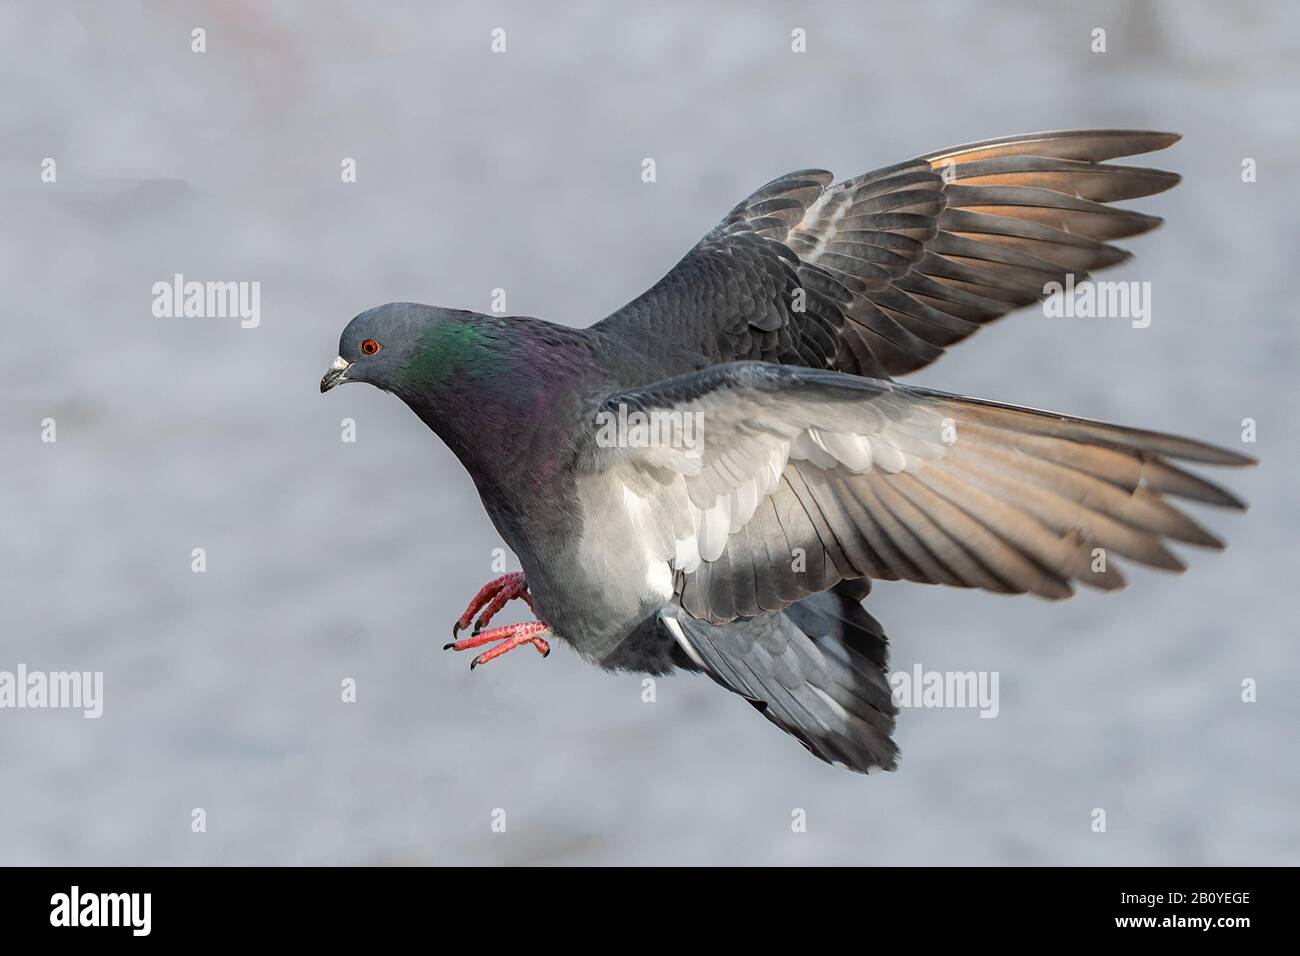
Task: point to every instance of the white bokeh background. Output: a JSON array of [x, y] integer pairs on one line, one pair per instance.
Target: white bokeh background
[[522, 171]]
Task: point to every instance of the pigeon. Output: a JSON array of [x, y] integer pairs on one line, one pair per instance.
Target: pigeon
[[711, 478]]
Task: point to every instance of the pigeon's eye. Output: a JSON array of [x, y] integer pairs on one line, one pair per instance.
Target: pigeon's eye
[[369, 347]]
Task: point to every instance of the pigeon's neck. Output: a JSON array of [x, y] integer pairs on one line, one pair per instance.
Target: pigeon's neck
[[501, 392]]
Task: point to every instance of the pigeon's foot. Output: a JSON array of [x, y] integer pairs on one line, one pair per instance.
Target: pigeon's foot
[[491, 598], [510, 635]]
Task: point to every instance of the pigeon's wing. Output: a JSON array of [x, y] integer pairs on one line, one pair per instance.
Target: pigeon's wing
[[878, 274], [762, 484], [817, 670]]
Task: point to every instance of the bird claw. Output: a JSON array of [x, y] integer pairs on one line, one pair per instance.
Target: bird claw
[[490, 599], [510, 636]]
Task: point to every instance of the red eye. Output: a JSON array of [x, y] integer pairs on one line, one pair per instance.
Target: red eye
[[369, 347]]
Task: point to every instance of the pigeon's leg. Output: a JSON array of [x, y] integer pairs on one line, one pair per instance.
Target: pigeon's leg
[[510, 635], [491, 598], [515, 589]]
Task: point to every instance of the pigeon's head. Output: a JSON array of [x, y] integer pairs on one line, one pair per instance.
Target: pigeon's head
[[380, 346]]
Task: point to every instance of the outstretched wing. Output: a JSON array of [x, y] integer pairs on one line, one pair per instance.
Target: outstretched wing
[[761, 484], [878, 274]]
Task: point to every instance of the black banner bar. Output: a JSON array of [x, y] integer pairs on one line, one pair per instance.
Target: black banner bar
[[365, 905]]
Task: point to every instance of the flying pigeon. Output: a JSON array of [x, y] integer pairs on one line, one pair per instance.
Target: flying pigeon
[[711, 478]]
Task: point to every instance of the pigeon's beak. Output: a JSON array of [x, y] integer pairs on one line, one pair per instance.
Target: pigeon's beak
[[337, 373]]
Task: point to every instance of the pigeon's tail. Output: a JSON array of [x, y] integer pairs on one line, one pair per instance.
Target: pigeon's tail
[[816, 670]]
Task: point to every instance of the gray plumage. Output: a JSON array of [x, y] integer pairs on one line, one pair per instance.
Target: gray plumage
[[785, 469]]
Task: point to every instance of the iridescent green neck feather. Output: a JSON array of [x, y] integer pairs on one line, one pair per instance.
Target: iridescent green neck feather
[[457, 349]]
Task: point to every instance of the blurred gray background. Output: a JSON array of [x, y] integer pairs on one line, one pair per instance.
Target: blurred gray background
[[329, 560]]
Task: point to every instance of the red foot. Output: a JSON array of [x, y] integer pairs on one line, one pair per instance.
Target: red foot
[[511, 636], [495, 595]]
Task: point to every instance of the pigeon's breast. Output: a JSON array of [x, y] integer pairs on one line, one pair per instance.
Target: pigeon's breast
[[620, 571]]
